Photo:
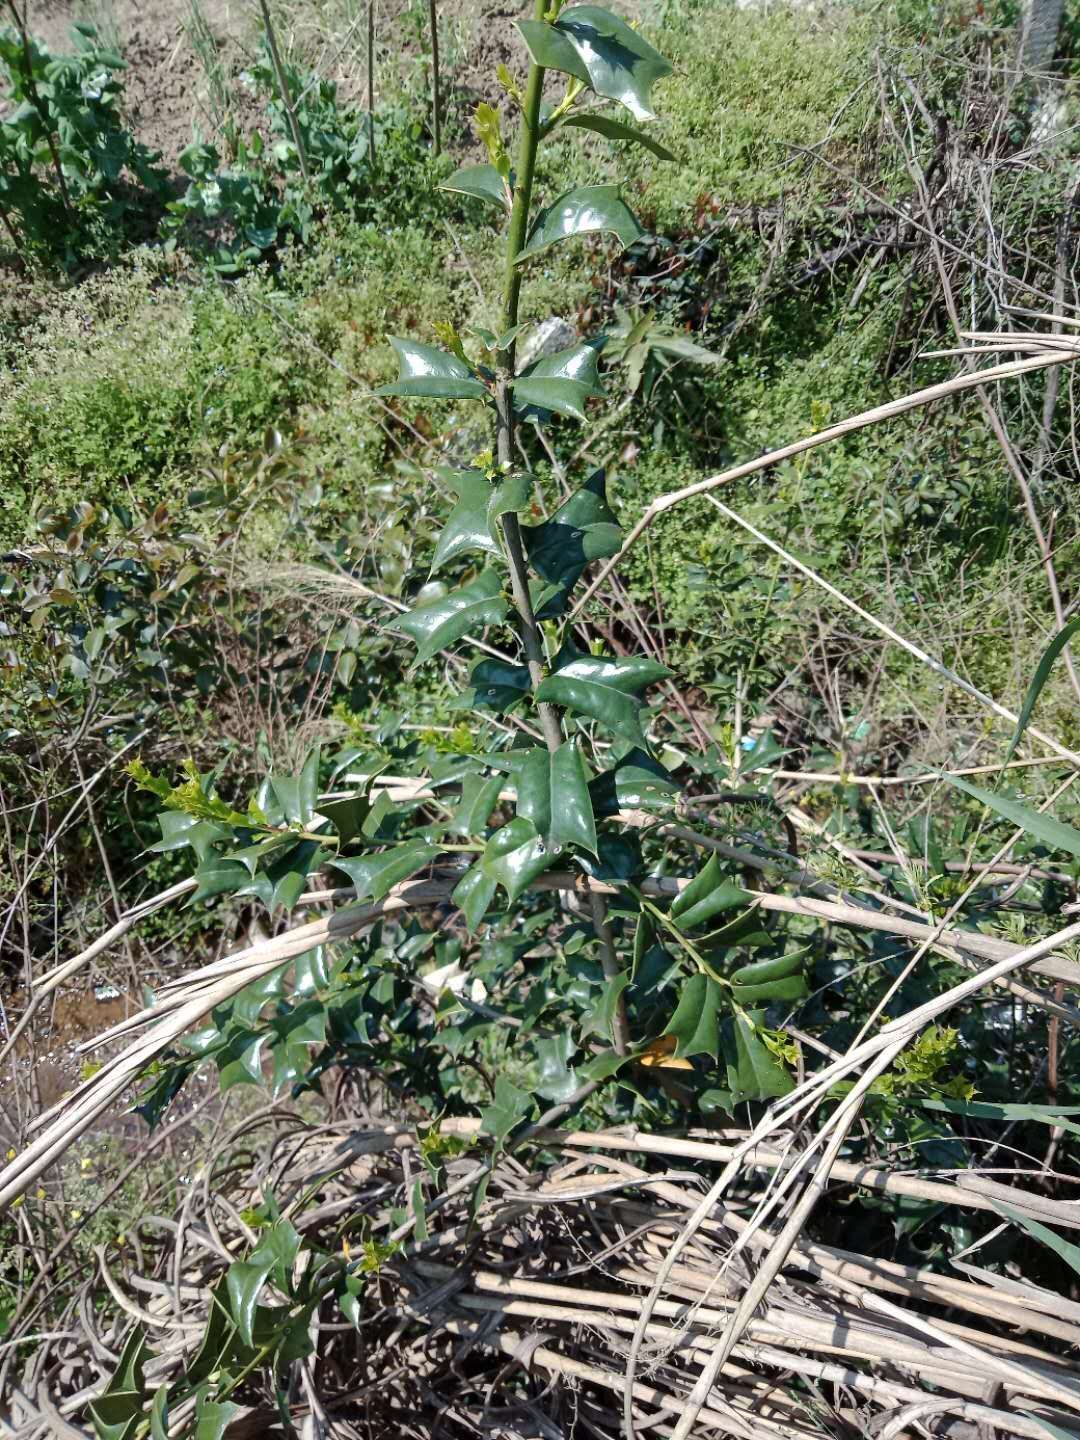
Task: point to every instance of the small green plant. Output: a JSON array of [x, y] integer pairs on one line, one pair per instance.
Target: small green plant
[[262, 194], [72, 176]]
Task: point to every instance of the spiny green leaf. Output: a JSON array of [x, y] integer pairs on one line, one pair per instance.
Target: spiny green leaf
[[561, 382], [695, 1023], [159, 1414], [480, 182], [581, 530], [794, 987], [558, 1080], [212, 1418], [425, 371], [759, 1075], [602, 52], [471, 524], [508, 1108], [219, 877], [347, 816], [553, 793], [617, 130], [604, 689], [474, 893], [1043, 827], [586, 210], [479, 796], [708, 894], [441, 622], [636, 782], [516, 855], [495, 685], [600, 1020], [375, 875], [179, 830]]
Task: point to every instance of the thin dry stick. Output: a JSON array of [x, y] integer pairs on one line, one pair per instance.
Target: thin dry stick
[[283, 89], [436, 128], [1067, 354], [371, 81]]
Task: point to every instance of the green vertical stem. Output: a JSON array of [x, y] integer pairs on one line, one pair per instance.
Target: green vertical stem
[[371, 82], [609, 962], [504, 437], [36, 101], [504, 410], [283, 89], [436, 127]]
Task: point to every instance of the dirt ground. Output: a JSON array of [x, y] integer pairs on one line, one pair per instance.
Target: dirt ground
[[167, 90]]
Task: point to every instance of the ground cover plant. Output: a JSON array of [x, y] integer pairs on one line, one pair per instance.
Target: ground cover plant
[[591, 931]]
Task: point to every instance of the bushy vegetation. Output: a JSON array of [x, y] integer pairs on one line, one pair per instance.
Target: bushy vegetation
[[295, 615]]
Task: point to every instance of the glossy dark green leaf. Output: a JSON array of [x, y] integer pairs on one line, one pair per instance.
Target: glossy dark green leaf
[[508, 1108], [760, 972], [273, 1257], [479, 796], [480, 182], [471, 523], [709, 893], [213, 1418], [586, 210], [602, 51], [284, 881], [606, 690], [603, 1066], [600, 1020], [346, 816], [436, 374], [769, 992], [553, 794], [516, 855], [561, 382], [310, 971], [375, 875], [759, 1074], [441, 622], [219, 877], [695, 1023], [116, 1416], [159, 1414], [474, 893], [617, 130], [636, 782], [240, 1061], [296, 794], [250, 1003], [179, 830], [557, 1078], [581, 530], [495, 685]]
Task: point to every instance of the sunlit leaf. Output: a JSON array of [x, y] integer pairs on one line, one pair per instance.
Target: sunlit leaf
[[557, 1080], [480, 182], [1051, 832], [553, 793], [375, 875], [445, 620], [602, 52], [561, 382], [471, 523], [695, 1024], [586, 210], [604, 689], [435, 374], [515, 855], [709, 893], [508, 1108], [617, 130], [474, 893]]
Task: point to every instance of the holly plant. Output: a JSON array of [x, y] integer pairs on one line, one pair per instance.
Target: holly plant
[[521, 881]]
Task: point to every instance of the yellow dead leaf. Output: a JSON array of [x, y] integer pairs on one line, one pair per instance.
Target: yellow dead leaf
[[661, 1053]]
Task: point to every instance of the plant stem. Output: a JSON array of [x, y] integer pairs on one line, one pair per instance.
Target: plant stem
[[36, 101], [283, 89], [504, 410], [436, 127], [609, 961], [371, 82]]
